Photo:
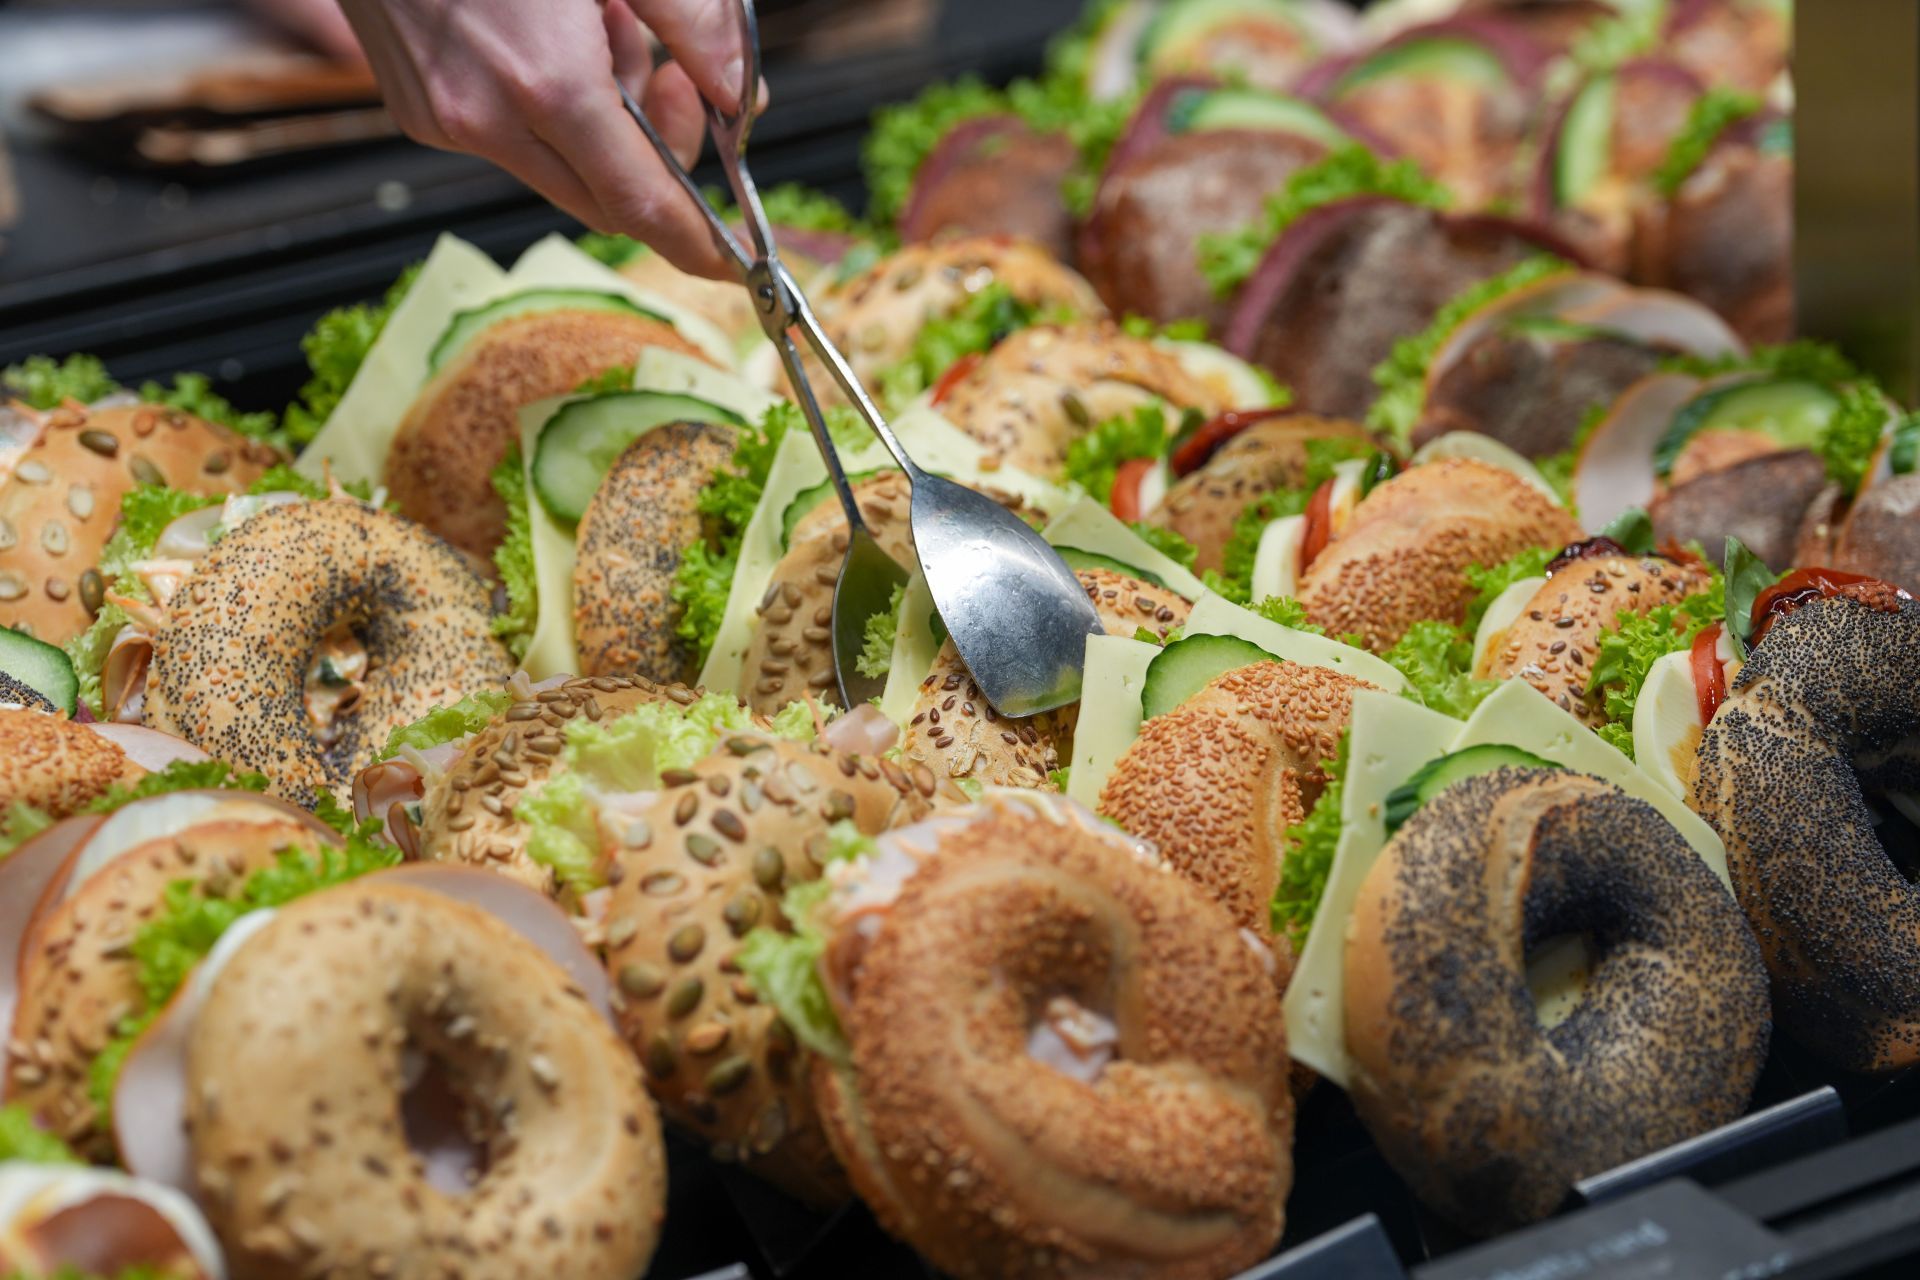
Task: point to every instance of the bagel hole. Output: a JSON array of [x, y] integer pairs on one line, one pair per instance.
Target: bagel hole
[[336, 678], [1558, 969], [1068, 1036], [441, 1127]]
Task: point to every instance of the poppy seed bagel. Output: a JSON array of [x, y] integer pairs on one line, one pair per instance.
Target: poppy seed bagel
[[1216, 782], [1065, 1062], [639, 522], [1825, 710], [244, 636], [1489, 1116]]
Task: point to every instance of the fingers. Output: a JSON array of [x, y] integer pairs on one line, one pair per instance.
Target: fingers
[[704, 37]]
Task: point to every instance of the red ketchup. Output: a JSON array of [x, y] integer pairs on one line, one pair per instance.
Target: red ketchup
[[1192, 453], [1803, 586]]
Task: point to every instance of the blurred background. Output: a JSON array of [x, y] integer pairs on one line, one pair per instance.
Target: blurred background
[[182, 186]]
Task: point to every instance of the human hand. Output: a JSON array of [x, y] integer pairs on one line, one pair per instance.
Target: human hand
[[531, 88]]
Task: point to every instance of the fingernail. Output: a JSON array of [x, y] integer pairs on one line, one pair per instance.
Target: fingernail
[[733, 78]]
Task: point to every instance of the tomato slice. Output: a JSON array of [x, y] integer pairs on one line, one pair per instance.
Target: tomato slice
[[1709, 677], [956, 374], [1127, 481], [1191, 453], [1319, 530]]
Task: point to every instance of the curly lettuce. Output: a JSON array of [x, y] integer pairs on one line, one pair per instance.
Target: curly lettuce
[[447, 724], [1402, 376], [1437, 660], [976, 326], [1713, 113], [876, 645], [1309, 858], [20, 823], [21, 1138], [1167, 542], [46, 383], [627, 754], [513, 558], [1627, 653], [193, 916], [1227, 258], [784, 966], [1094, 458], [335, 349], [1491, 580]]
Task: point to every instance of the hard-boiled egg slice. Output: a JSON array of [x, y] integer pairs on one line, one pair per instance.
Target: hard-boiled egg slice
[[1276, 562], [1498, 620], [1666, 723]]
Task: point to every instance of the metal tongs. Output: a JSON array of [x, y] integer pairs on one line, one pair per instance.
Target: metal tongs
[[1014, 610]]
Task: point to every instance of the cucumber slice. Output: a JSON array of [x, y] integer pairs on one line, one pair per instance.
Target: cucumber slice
[[465, 324], [1077, 559], [806, 500], [1181, 21], [1793, 411], [1586, 141], [1201, 110], [1445, 57], [41, 667], [580, 443], [1437, 775], [1185, 667]]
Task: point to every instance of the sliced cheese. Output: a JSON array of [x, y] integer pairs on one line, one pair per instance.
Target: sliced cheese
[[915, 647], [1518, 715], [1498, 620], [558, 263], [1091, 527], [1215, 616], [677, 373], [1110, 690], [930, 439], [354, 441], [1389, 738], [552, 650]]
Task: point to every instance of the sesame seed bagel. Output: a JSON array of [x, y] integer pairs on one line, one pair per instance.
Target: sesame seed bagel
[[791, 654], [1552, 643], [1403, 556], [1825, 710], [1216, 782], [1489, 1116], [874, 317], [1154, 1145], [1271, 454], [78, 980], [296, 1068], [55, 765], [467, 813], [466, 418], [60, 500], [696, 873], [231, 669], [1042, 388], [956, 732], [629, 545]]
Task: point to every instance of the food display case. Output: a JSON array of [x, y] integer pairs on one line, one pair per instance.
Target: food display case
[[1482, 428]]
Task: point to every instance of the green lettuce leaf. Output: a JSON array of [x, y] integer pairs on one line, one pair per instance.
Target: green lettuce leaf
[[193, 393], [181, 775], [513, 558], [1746, 576], [45, 383], [1095, 458], [1288, 612], [609, 381], [614, 251], [1402, 376], [784, 967], [444, 724], [335, 349], [626, 754], [876, 649], [1168, 543], [986, 317], [23, 1139], [1227, 258], [20, 823], [1713, 113], [1490, 580], [1627, 653], [1437, 660], [1309, 858], [191, 920]]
